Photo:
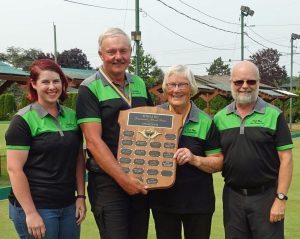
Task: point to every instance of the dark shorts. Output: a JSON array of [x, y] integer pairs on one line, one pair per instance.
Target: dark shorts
[[248, 217]]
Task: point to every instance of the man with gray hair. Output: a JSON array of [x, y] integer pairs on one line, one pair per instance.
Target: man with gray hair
[[257, 171], [118, 201]]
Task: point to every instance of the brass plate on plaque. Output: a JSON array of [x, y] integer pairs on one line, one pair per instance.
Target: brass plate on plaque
[[147, 143]]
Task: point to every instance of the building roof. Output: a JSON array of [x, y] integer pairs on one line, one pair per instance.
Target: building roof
[[271, 92], [284, 92], [10, 70], [224, 80], [223, 83], [79, 74]]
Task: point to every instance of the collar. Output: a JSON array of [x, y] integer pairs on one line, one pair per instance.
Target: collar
[[42, 112], [193, 116], [128, 79], [260, 107]]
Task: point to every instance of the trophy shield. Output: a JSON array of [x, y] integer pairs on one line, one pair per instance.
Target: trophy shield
[[147, 143]]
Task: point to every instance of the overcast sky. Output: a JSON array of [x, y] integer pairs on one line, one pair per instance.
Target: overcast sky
[[170, 37]]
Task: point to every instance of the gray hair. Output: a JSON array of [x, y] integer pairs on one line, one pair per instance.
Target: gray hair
[[248, 64], [186, 72], [111, 32]]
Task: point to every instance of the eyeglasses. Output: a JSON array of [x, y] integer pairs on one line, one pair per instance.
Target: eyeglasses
[[241, 82], [181, 86]]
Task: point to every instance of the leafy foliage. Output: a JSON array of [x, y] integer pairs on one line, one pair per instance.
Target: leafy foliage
[[218, 68], [200, 103], [296, 108], [7, 106], [149, 71], [22, 58], [71, 100], [23, 101], [270, 71], [17, 91], [216, 104], [73, 58]]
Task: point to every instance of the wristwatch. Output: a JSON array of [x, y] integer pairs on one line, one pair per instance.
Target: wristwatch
[[281, 196]]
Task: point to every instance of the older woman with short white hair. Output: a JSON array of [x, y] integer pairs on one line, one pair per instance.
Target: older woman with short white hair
[[190, 202]]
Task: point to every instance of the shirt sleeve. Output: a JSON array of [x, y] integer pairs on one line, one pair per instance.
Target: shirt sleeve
[[88, 106], [18, 136], [213, 140], [282, 135]]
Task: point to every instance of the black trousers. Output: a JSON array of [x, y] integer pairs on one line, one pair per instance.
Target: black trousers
[[247, 217], [169, 225], [124, 218]]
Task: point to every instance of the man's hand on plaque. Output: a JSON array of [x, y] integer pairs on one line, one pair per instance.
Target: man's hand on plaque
[[183, 155], [134, 186]]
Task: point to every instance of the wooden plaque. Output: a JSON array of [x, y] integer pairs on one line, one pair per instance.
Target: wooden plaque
[[147, 143]]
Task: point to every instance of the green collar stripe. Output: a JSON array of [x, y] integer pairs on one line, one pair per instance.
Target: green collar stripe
[[89, 120], [197, 130], [49, 124], [105, 92], [18, 147], [213, 151], [256, 119], [285, 147], [40, 121], [232, 120]]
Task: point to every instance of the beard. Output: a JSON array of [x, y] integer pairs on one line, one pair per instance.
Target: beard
[[242, 98]]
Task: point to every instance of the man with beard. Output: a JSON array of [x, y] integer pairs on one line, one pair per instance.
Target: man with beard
[[257, 171], [120, 209]]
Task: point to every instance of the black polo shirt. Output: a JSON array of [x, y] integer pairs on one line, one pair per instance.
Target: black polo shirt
[[99, 102], [193, 189], [250, 145], [53, 146]]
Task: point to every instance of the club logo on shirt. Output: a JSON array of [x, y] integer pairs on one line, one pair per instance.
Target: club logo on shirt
[[71, 126], [189, 132], [136, 92], [256, 122]]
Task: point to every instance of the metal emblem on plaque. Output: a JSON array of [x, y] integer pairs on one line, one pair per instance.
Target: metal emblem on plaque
[[147, 143]]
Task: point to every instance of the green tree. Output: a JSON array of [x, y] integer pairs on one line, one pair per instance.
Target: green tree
[[296, 107], [200, 103], [218, 68], [23, 101], [216, 104], [7, 106], [149, 71], [267, 61], [22, 58], [71, 101], [73, 58], [17, 91]]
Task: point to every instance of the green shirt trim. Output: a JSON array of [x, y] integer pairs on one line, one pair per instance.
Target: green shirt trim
[[89, 120], [17, 147], [213, 151], [285, 147]]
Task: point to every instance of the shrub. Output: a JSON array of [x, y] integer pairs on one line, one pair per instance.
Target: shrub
[[7, 106], [71, 101]]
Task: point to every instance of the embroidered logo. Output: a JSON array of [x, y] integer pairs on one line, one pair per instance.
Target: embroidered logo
[[256, 122], [71, 126], [190, 132]]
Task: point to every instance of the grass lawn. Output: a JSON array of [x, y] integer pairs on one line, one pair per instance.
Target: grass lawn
[[89, 228]]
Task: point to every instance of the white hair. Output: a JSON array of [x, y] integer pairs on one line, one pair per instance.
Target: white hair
[[111, 32], [186, 72]]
